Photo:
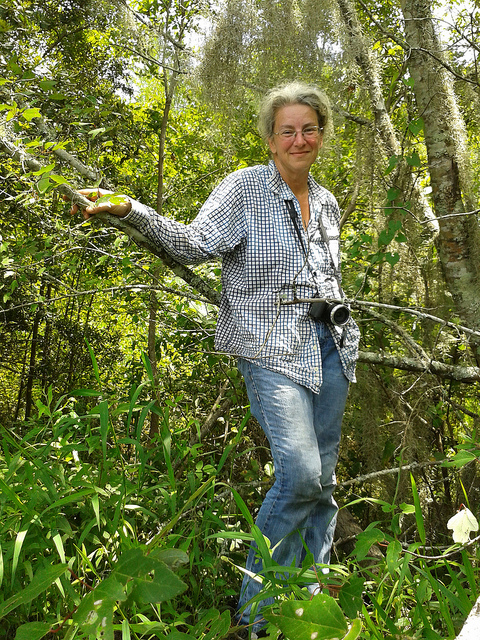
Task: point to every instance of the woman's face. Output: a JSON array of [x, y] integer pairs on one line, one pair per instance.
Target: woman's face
[[295, 156]]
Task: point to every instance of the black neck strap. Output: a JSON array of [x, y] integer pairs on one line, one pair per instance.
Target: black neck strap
[[293, 216]]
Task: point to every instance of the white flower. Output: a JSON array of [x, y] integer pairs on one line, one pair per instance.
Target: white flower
[[462, 523]]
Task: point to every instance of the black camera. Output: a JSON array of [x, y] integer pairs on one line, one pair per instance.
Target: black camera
[[334, 312]]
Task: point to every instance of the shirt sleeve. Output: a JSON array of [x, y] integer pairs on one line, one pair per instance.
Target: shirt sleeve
[[218, 229]]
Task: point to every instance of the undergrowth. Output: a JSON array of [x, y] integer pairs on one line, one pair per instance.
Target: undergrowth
[[101, 536]]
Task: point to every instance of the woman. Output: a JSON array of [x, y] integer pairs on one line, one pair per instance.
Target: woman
[[277, 232]]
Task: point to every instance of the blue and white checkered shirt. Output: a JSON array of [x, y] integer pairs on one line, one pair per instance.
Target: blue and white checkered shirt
[[246, 223]]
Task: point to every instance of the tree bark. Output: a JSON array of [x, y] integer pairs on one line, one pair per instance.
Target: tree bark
[[361, 50], [458, 241], [471, 628]]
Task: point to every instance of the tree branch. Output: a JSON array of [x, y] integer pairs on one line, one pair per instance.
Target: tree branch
[[387, 472], [183, 272], [449, 371]]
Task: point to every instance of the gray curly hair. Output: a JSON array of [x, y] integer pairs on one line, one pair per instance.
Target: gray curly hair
[[292, 93]]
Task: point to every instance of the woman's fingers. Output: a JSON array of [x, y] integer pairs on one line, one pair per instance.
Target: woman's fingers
[[102, 200]]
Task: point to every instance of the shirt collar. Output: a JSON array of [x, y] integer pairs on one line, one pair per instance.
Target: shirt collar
[[278, 185]]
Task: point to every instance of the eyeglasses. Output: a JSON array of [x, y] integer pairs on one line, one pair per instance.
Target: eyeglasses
[[309, 133]]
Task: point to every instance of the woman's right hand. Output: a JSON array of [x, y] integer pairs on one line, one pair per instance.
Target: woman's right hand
[[116, 204]]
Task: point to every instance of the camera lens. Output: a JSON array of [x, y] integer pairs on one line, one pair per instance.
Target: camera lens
[[339, 314]]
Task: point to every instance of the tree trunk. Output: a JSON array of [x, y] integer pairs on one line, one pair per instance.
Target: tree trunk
[[471, 628], [458, 241]]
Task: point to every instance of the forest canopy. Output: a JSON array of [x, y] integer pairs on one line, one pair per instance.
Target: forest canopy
[[126, 440]]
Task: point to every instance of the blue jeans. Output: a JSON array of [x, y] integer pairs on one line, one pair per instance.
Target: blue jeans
[[303, 429]]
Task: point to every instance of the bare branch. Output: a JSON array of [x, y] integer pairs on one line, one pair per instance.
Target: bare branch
[[452, 372], [387, 472]]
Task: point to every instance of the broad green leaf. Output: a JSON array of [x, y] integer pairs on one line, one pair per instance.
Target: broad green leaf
[[94, 132], [320, 618], [365, 540], [33, 631], [29, 114], [350, 596], [97, 621], [40, 583], [46, 85], [173, 558], [392, 258], [393, 193], [416, 125], [165, 586], [58, 179], [392, 163], [394, 550], [43, 184], [414, 160]]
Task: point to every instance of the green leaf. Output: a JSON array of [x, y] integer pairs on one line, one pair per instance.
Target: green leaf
[[416, 126], [320, 618], [72, 497], [350, 596], [414, 160], [94, 363], [173, 558], [392, 194], [43, 184], [418, 511], [33, 631], [165, 586], [394, 550], [85, 392], [17, 549], [40, 583], [58, 179], [365, 540], [94, 132], [43, 170], [29, 114], [355, 630], [392, 163], [392, 258], [46, 85], [95, 616]]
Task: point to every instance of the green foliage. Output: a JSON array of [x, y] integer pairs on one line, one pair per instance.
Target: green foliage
[[85, 482], [92, 503]]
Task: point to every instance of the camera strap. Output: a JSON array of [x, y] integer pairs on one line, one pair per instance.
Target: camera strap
[[293, 216]]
